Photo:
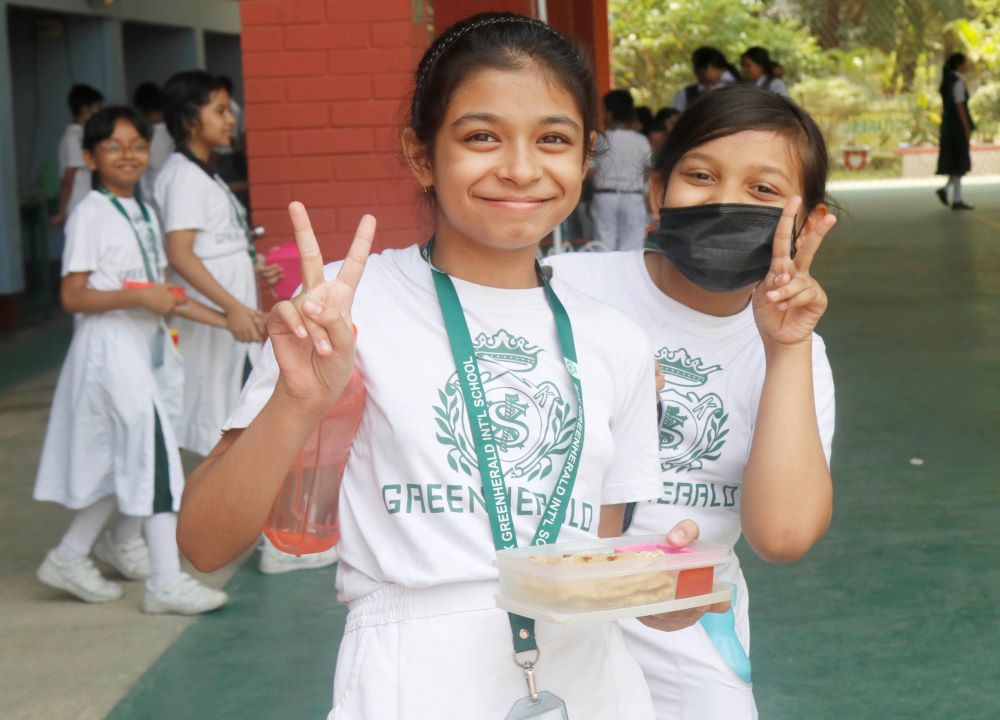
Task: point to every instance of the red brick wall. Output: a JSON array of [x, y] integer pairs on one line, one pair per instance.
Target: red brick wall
[[324, 86]]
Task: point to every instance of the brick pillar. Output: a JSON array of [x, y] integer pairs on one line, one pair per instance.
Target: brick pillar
[[324, 86]]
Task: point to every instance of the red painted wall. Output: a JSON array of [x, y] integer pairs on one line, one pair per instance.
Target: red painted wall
[[325, 84]]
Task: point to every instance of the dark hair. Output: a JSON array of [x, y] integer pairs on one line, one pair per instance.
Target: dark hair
[[952, 64], [741, 107], [761, 57], [620, 106], [148, 98], [503, 41], [705, 57], [80, 96], [184, 95], [226, 83], [664, 114], [644, 115], [102, 124]]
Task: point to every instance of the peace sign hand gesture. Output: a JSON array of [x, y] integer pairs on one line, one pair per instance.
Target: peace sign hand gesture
[[312, 334], [788, 303]]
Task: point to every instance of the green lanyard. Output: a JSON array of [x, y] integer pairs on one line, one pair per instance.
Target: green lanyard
[[241, 216], [150, 234], [490, 469]]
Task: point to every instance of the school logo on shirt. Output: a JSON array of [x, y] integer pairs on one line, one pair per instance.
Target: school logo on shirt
[[532, 423], [693, 428]]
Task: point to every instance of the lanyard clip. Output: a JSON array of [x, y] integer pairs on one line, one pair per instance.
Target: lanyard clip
[[528, 666]]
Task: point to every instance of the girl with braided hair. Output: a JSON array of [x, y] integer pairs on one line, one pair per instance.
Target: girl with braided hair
[[476, 368]]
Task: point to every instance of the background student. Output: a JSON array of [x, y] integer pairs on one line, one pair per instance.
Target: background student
[[148, 99], [711, 69], [756, 67], [110, 441], [954, 159], [210, 247], [74, 177], [619, 177]]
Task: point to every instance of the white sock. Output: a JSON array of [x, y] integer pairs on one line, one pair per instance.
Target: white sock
[[125, 528], [164, 557], [956, 185], [83, 531]]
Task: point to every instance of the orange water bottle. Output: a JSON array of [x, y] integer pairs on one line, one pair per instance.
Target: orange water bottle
[[303, 519]]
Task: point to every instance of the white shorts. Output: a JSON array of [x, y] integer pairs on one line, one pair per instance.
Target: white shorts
[[688, 678], [445, 653]]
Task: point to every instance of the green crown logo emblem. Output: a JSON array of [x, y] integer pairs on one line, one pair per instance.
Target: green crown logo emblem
[[681, 369], [514, 353]]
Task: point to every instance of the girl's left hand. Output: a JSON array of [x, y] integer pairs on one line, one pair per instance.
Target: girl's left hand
[[270, 273], [788, 303]]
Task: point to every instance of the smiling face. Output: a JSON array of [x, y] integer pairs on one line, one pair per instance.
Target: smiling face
[[216, 123], [508, 160], [121, 159], [752, 168]]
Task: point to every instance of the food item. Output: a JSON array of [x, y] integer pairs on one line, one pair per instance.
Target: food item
[[594, 592]]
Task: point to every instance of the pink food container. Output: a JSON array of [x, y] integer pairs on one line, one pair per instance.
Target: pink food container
[[287, 256]]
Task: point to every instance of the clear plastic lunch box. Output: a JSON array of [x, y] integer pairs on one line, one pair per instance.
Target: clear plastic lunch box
[[578, 581]]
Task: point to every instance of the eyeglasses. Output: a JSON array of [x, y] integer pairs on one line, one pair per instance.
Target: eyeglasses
[[139, 147]]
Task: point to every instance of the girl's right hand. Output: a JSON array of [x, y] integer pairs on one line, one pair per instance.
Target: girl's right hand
[[312, 334], [158, 299], [241, 321]]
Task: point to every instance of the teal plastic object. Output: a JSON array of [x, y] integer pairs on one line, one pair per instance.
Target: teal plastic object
[[721, 629]]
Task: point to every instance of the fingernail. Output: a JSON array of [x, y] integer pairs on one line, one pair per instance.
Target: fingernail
[[783, 306], [774, 294], [676, 537], [300, 331], [312, 307], [324, 346]]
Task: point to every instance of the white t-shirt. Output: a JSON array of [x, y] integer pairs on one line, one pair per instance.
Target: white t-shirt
[[188, 199], [622, 166], [100, 241], [777, 85], [714, 369], [71, 156], [160, 148], [959, 90], [411, 508]]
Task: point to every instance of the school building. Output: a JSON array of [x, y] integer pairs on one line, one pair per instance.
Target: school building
[[323, 82]]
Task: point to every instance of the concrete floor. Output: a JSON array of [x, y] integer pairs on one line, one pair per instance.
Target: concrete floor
[[892, 615]]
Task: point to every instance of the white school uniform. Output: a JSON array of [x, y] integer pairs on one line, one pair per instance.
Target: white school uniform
[[619, 204], [161, 147], [714, 370], [71, 156], [774, 84], [100, 437], [424, 639], [214, 360]]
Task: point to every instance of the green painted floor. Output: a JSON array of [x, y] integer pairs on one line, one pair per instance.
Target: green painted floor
[[892, 615]]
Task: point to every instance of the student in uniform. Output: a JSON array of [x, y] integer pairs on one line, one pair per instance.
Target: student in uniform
[[210, 247], [954, 159], [148, 99], [619, 177], [712, 71], [74, 177], [756, 67], [500, 132], [110, 440], [748, 405]]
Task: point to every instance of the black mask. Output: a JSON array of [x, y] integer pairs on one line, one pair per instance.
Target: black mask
[[718, 247]]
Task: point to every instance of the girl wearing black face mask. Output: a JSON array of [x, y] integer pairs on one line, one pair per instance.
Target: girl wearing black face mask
[[747, 420]]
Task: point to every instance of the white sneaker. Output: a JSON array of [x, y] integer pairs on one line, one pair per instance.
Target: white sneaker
[[184, 596], [81, 578], [275, 562], [130, 558]]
